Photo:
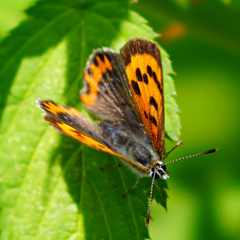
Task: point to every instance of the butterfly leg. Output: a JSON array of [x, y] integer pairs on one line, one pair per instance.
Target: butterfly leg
[[134, 186], [110, 167], [178, 144]]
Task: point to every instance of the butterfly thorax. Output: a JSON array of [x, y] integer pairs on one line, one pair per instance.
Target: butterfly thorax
[[135, 148]]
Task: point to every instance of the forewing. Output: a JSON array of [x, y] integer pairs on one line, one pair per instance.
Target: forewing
[[142, 62], [104, 92]]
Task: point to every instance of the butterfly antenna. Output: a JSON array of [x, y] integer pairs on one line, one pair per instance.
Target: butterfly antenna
[[178, 144], [150, 200], [195, 155]]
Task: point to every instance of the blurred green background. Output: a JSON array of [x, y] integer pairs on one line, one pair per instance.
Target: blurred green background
[[202, 39]]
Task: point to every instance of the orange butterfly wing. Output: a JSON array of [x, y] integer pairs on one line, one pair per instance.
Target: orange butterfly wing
[[62, 118], [142, 62], [69, 121]]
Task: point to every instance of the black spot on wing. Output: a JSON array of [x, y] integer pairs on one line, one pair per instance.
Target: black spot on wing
[[109, 56], [146, 115], [153, 120], [156, 81], [153, 102], [101, 56], [155, 78], [136, 87], [95, 62], [139, 75], [145, 78], [149, 71]]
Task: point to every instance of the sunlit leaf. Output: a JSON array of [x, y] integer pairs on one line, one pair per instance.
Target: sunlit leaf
[[52, 186]]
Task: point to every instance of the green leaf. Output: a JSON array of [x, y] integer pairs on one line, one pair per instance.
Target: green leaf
[[52, 186]]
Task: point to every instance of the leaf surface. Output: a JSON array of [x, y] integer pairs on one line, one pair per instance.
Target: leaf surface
[[52, 186]]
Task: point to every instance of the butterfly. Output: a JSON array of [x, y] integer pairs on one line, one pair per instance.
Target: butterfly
[[125, 92]]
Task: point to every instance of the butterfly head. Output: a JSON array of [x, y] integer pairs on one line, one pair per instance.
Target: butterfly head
[[159, 170]]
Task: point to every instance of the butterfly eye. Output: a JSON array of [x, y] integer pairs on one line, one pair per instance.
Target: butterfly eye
[[160, 171], [139, 152], [157, 175], [164, 167]]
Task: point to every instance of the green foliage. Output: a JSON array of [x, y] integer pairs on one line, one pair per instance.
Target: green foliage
[[52, 186]]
